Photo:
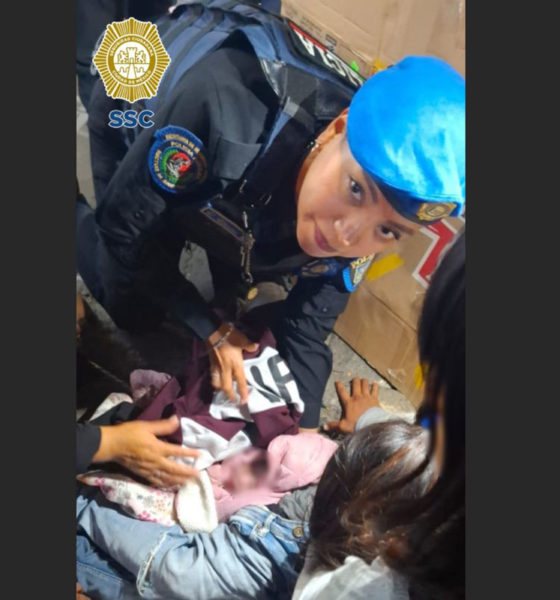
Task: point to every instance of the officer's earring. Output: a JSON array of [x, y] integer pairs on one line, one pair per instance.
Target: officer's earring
[[315, 147]]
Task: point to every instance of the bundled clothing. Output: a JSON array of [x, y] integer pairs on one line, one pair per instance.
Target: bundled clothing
[[290, 462], [257, 466], [219, 428]]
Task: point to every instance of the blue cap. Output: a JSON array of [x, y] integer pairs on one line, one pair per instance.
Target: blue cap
[[406, 129]]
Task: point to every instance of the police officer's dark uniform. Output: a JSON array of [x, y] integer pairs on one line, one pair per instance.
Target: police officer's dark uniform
[[220, 114]]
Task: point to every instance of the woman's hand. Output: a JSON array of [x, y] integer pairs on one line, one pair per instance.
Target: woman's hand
[[355, 405], [226, 361], [79, 593], [135, 446]]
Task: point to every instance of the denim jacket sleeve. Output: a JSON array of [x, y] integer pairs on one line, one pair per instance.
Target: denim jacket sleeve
[[169, 563]]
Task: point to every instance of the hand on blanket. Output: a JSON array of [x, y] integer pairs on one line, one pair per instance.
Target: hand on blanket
[[354, 405], [226, 361], [135, 446]]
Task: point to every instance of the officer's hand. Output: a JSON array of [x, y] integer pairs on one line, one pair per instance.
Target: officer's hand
[[355, 405], [79, 593], [226, 362], [135, 446]]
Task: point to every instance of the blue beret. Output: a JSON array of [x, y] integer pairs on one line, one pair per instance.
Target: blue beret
[[406, 129]]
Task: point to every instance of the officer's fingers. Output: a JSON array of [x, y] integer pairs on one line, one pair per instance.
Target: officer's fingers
[[227, 385], [239, 375], [215, 369], [356, 386], [215, 378], [341, 392]]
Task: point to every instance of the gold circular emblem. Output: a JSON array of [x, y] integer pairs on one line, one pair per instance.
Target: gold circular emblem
[[131, 60], [430, 211]]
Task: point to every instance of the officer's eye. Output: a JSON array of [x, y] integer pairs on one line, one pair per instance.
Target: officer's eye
[[388, 234], [356, 190]]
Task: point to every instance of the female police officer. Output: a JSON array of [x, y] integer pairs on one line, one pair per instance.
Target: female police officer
[[272, 170]]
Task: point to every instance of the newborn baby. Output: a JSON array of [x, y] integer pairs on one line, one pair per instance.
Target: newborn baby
[[262, 477], [251, 477]]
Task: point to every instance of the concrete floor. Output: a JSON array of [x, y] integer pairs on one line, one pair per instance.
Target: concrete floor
[[111, 353]]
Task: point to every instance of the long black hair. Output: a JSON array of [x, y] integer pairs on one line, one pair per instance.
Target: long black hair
[[386, 499], [434, 555]]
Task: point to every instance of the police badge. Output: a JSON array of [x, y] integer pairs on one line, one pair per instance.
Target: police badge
[[355, 272], [131, 60]]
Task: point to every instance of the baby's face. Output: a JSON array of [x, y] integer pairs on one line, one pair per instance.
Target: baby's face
[[246, 476]]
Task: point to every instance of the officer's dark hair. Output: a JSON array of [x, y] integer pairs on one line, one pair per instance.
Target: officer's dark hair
[[422, 533]]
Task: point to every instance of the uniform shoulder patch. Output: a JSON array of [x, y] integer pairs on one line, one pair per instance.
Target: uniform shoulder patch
[[355, 272], [177, 159]]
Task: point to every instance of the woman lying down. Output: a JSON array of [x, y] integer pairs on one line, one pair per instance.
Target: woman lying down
[[259, 551]]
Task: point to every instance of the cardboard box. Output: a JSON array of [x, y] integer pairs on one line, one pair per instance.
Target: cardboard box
[[371, 34], [380, 321]]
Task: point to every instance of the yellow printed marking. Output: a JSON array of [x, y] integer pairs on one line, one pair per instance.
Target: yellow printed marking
[[383, 266], [418, 376], [378, 65]]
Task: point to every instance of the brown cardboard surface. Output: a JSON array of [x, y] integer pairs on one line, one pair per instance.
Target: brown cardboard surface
[[377, 334], [335, 30], [375, 33], [381, 318], [403, 289]]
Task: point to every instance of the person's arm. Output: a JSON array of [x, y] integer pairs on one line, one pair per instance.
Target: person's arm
[[308, 316], [360, 407], [135, 445], [169, 563], [88, 438]]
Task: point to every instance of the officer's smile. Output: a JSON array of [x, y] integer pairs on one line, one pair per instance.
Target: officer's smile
[[322, 242]]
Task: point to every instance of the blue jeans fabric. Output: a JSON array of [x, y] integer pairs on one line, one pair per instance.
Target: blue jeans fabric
[[119, 557]]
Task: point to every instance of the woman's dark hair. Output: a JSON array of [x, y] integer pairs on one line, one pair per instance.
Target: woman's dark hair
[[391, 511], [357, 495], [434, 560]]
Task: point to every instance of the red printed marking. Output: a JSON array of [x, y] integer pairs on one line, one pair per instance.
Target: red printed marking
[[307, 36], [441, 234]]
